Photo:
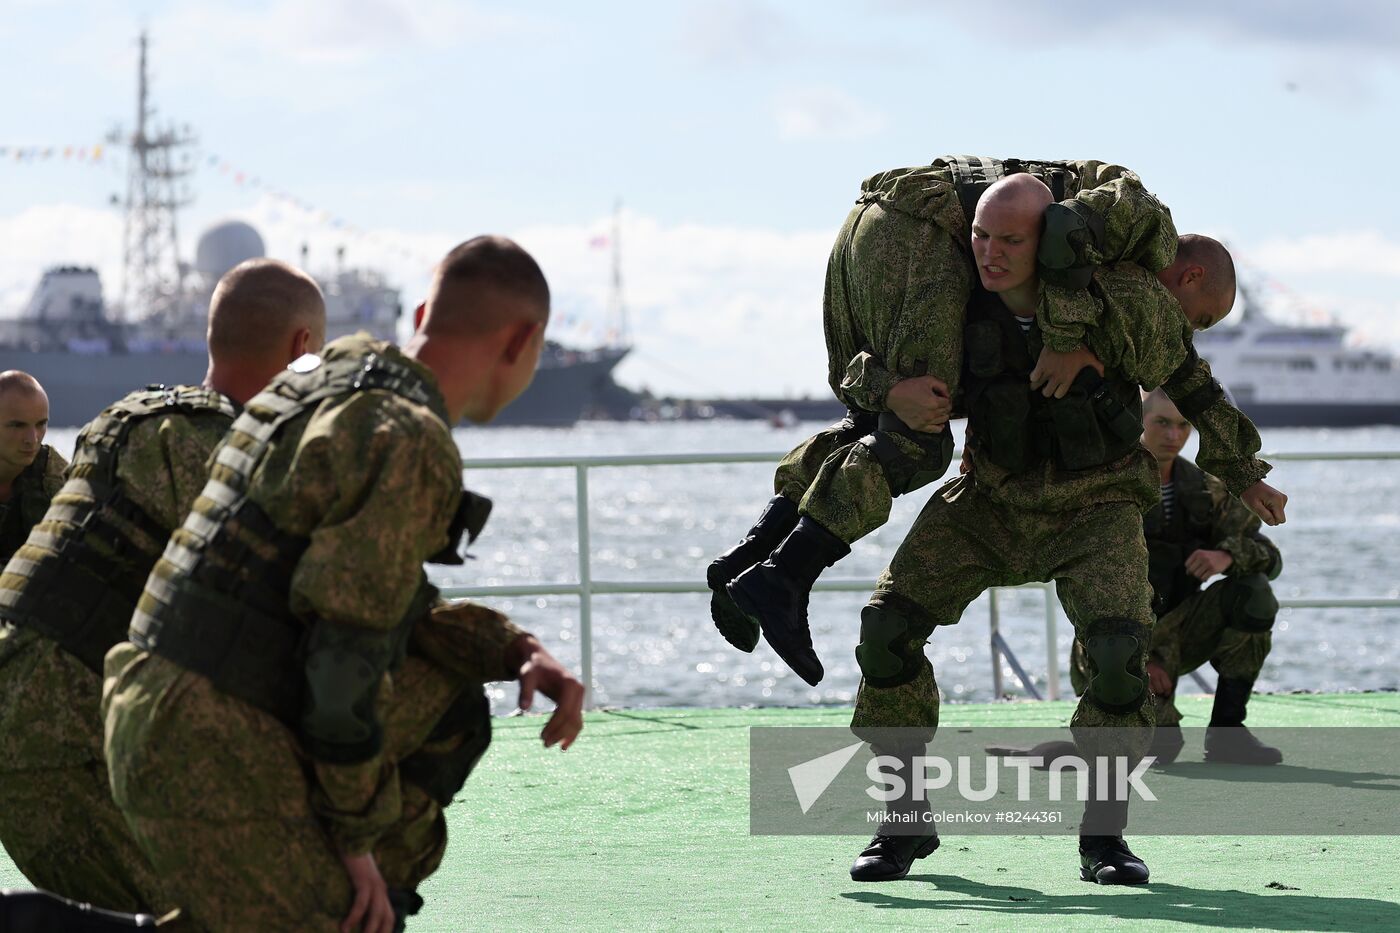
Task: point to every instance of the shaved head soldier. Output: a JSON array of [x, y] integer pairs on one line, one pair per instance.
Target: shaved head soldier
[[278, 793], [1055, 491], [30, 470], [69, 593], [897, 282]]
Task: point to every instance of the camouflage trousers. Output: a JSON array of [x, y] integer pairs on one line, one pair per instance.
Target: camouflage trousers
[[839, 483], [964, 543], [248, 851], [1197, 632], [57, 818]]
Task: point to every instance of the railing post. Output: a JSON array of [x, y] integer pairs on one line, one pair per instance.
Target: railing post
[[1052, 639], [585, 583], [994, 617]]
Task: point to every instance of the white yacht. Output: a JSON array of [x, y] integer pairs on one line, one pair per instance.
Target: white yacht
[[1291, 375]]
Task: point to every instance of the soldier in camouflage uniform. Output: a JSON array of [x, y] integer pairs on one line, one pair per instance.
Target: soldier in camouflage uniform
[[1197, 531], [30, 470], [68, 595], [254, 732], [1056, 491], [897, 282]]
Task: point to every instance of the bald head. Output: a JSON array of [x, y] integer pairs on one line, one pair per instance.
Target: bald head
[[1005, 236], [24, 418], [257, 309], [19, 382], [1021, 194], [483, 285], [1202, 279]]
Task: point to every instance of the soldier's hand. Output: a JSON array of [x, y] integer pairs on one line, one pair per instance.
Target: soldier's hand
[[1056, 371], [1158, 680], [371, 897], [1266, 502], [539, 670], [921, 402], [1203, 564]]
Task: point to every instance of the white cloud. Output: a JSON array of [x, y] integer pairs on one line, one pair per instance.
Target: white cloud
[[1365, 252], [715, 310], [823, 113]]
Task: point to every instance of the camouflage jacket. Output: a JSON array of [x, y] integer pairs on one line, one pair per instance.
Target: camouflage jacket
[[1144, 337], [371, 481], [1138, 229], [48, 699], [29, 499], [1233, 528]]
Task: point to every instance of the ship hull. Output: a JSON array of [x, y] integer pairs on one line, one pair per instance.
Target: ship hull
[[79, 386], [1320, 414]]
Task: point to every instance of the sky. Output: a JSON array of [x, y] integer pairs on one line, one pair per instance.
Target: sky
[[735, 134]]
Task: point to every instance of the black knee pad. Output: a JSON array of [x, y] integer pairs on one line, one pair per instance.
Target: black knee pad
[[1249, 603], [1118, 681], [903, 472], [885, 655]]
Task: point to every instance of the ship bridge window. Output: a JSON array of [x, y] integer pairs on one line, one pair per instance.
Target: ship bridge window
[[1301, 362]]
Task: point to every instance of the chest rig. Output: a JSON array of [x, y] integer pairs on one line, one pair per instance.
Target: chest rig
[[1170, 540], [1097, 422], [77, 578], [217, 602]]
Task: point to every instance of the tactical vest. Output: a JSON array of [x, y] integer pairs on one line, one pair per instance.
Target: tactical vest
[[1171, 541], [78, 576], [29, 500], [1097, 422], [217, 602], [973, 175]]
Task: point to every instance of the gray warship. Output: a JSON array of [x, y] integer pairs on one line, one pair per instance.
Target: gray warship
[[87, 353]]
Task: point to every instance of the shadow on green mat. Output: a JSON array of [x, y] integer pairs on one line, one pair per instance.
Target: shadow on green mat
[[1237, 909], [1282, 774]]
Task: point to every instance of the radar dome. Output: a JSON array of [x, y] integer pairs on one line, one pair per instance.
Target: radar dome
[[224, 246]]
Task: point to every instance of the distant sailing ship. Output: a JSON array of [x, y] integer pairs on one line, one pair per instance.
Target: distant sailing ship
[[88, 354], [1294, 375]]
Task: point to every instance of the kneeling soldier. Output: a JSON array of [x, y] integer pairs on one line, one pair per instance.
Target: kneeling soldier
[[1196, 532]]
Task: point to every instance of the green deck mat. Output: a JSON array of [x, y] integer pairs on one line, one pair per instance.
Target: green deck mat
[[644, 825]]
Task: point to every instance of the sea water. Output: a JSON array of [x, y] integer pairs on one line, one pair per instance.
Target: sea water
[[657, 523]]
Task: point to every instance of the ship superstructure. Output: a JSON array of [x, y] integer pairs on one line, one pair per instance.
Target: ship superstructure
[[88, 353], [1294, 375]]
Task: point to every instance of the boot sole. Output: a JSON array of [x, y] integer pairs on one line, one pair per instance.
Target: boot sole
[[923, 851], [742, 602], [738, 629]]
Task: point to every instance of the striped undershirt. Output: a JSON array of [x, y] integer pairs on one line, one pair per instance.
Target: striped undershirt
[[1025, 323], [1168, 500]]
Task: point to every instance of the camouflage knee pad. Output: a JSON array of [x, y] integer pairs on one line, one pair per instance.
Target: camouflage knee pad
[[1249, 603], [903, 472], [889, 653], [1119, 681]]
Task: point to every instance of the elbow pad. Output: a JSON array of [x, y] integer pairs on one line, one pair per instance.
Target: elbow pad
[[344, 667]]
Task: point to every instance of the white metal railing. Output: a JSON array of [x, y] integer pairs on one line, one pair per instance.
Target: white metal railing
[[587, 587]]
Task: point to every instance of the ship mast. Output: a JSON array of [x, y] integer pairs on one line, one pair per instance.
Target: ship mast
[[617, 308], [152, 275]]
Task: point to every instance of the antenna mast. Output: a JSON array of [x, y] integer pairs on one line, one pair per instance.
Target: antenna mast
[[152, 276], [617, 308]]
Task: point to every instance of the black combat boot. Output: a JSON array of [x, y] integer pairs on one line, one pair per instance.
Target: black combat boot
[[774, 593], [1108, 860], [1227, 739], [778, 518], [42, 912], [908, 833], [1104, 858]]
